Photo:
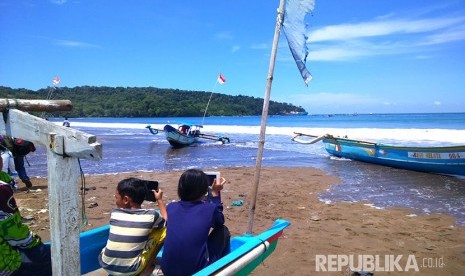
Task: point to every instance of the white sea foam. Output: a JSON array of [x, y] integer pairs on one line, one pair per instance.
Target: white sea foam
[[399, 135]]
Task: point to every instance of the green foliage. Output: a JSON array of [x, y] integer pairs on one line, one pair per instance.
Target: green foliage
[[92, 101]]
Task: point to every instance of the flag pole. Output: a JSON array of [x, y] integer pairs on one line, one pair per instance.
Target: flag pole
[[266, 103], [208, 103], [56, 80], [49, 97]]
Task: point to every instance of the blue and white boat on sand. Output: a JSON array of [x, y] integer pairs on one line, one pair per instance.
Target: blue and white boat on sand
[[247, 251], [448, 160]]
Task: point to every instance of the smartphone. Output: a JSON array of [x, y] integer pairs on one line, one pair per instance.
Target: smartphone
[[212, 176], [150, 185]]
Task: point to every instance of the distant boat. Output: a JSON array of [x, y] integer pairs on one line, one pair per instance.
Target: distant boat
[[185, 134], [247, 251], [296, 113], [448, 160]]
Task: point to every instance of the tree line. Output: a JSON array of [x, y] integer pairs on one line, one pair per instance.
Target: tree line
[[93, 101]]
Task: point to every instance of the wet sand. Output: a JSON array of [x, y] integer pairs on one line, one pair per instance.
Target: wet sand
[[317, 232]]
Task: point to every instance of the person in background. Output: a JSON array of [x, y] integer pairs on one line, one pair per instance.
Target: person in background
[[19, 154], [66, 122], [21, 170], [136, 235], [190, 220], [8, 162], [22, 251]]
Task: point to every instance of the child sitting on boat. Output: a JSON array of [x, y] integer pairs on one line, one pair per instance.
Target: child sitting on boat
[[188, 246], [136, 235]]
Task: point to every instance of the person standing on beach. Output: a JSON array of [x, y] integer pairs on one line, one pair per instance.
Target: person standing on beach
[[6, 178], [190, 220], [8, 161], [22, 251], [21, 170], [66, 122], [19, 148], [136, 235]]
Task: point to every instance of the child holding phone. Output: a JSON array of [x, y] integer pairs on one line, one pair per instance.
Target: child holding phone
[[136, 234], [188, 241]]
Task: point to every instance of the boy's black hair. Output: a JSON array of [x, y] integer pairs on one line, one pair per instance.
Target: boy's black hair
[[134, 188], [193, 184]]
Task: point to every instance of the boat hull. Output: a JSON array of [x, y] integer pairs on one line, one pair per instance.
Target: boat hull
[[247, 251], [441, 160], [177, 139]]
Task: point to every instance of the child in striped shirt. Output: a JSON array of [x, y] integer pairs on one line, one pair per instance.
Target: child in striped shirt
[[136, 234]]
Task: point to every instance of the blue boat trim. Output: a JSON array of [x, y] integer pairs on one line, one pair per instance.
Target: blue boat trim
[[93, 241], [242, 245]]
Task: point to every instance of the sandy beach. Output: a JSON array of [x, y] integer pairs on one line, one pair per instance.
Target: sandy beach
[[318, 230]]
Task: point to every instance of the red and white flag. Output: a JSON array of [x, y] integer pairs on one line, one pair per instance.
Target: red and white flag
[[221, 79], [56, 80]]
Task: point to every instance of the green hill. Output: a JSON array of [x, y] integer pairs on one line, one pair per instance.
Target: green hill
[[92, 101]]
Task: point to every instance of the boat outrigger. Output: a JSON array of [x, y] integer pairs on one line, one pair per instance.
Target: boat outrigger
[[186, 134], [448, 160]]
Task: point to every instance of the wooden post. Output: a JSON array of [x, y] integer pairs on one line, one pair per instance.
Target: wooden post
[[63, 174], [64, 146]]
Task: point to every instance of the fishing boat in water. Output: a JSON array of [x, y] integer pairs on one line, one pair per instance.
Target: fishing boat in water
[[247, 251], [448, 160], [186, 134]]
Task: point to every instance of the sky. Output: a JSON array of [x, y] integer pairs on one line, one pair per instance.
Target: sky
[[365, 56]]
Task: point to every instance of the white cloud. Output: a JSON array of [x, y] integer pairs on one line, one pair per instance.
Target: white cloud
[[58, 2], [422, 57], [333, 102], [261, 46], [335, 53], [437, 103], [75, 44], [383, 37], [446, 36], [381, 28], [224, 36]]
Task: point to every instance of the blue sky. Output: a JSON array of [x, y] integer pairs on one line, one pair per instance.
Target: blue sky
[[384, 56]]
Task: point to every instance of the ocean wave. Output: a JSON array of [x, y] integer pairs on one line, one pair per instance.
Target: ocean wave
[[415, 136]]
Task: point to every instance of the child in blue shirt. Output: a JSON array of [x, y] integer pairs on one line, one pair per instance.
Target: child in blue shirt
[[188, 245]]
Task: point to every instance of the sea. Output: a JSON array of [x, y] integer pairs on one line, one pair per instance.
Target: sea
[[128, 146]]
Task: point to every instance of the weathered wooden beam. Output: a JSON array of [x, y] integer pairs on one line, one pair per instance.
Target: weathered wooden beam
[[36, 105], [76, 143], [64, 146], [63, 191]]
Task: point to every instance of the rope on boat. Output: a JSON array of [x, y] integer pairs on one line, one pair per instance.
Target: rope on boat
[[85, 222]]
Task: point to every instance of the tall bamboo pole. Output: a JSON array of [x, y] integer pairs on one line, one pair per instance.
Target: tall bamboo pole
[[266, 102]]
